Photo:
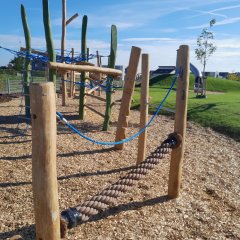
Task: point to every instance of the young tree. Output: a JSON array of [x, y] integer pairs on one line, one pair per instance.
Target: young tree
[[205, 48]]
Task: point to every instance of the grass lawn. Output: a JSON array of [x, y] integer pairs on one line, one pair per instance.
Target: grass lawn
[[219, 111]]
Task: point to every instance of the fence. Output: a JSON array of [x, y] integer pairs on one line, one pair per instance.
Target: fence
[[12, 84]]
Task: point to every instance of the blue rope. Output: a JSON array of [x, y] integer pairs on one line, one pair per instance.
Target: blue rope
[[126, 139], [39, 57]]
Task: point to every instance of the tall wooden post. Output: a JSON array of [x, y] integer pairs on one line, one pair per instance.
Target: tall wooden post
[[44, 175], [180, 121], [27, 63], [64, 76], [83, 74], [72, 85], [143, 108], [49, 40], [127, 96], [109, 82]]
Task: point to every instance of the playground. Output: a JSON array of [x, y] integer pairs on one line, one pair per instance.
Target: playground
[[82, 163], [207, 208]]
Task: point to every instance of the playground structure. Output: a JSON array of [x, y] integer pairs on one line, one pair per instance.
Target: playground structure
[[43, 111], [198, 81], [50, 224]]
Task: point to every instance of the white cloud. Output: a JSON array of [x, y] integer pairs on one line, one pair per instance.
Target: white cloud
[[147, 39], [219, 23]]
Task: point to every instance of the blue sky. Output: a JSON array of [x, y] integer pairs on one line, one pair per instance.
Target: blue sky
[[157, 26]]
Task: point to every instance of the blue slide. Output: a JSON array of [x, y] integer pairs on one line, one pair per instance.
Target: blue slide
[[198, 85]]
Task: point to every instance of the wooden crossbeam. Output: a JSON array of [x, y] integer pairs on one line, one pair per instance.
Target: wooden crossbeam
[[83, 68]]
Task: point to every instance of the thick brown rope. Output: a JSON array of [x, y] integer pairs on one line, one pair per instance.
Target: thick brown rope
[[83, 212]]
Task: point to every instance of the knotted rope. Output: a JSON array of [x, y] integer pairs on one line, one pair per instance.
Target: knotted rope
[[81, 213]]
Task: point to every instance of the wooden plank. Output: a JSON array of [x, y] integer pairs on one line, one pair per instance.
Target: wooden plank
[[44, 175], [83, 68], [180, 122], [127, 96], [143, 108], [85, 63], [96, 97], [94, 110]]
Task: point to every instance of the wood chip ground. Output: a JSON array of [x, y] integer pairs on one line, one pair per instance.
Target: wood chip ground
[[208, 206]]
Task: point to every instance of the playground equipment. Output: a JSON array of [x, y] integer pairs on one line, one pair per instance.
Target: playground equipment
[[198, 83], [49, 224]]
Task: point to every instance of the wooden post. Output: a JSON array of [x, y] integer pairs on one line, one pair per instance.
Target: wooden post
[[143, 108], [64, 76], [27, 63], [44, 175], [127, 96], [49, 40], [72, 85], [180, 121]]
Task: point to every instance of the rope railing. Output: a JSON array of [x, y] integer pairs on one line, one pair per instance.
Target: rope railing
[[83, 212], [64, 121], [44, 58]]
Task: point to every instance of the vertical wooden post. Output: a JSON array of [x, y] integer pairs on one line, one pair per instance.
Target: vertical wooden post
[[8, 86], [27, 63], [83, 74], [64, 76], [127, 96], [49, 40], [100, 75], [44, 175], [180, 121], [72, 85], [143, 108]]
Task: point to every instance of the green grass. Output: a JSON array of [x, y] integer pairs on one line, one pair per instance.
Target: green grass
[[220, 112]]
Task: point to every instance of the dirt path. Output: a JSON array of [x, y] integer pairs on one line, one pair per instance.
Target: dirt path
[[208, 207]]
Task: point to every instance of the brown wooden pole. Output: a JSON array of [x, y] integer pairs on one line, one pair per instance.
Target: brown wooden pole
[[64, 76], [127, 96], [143, 108], [72, 85], [180, 121], [44, 175]]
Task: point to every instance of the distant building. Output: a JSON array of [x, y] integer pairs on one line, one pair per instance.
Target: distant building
[[217, 74]]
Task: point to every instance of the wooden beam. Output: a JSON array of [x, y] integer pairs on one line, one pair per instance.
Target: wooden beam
[[44, 174], [127, 96], [180, 121], [83, 68], [71, 18], [143, 108], [94, 110]]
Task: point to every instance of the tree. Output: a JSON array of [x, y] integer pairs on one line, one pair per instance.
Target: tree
[[233, 77], [205, 48], [16, 64]]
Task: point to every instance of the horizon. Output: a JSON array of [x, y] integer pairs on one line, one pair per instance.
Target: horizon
[[159, 28]]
